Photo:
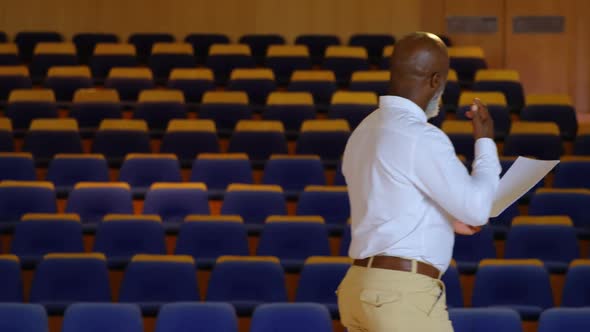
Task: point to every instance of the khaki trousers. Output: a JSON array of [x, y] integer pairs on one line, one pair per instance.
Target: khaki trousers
[[379, 300]]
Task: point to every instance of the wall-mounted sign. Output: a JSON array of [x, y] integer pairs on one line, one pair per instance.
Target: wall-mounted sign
[[538, 24], [472, 24]]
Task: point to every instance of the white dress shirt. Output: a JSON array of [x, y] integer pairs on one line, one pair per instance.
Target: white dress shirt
[[407, 186]]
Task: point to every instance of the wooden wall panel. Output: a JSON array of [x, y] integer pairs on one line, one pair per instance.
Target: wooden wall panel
[[233, 17], [492, 44], [545, 61], [580, 69]]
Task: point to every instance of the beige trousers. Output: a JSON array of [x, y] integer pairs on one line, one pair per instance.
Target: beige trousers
[[379, 300]]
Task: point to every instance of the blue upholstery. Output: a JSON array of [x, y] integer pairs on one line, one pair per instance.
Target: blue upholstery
[[247, 284], [555, 245], [254, 206], [259, 145], [102, 317], [259, 43], [318, 284], [217, 174], [158, 114], [332, 205], [12, 82], [119, 240], [469, 250], [21, 317], [574, 205], [293, 242], [33, 239], [525, 288], [66, 171], [317, 45], [144, 170], [208, 240], [291, 317], [11, 285], [374, 43], [174, 204], [23, 112], [202, 42], [85, 43], [485, 320], [572, 174], [153, 283], [144, 42], [184, 317], [92, 204], [576, 292], [59, 282], [454, 292], [27, 40], [16, 200], [17, 167], [294, 174], [565, 319], [45, 144]]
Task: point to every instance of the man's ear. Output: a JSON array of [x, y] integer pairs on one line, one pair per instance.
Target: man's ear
[[436, 80]]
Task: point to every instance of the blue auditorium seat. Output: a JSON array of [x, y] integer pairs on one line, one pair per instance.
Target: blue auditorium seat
[[207, 237], [522, 285], [17, 166], [102, 317], [120, 237], [218, 171], [184, 316], [174, 201], [291, 317], [293, 240], [63, 279], [565, 319], [11, 284], [247, 282], [36, 237], [93, 200], [294, 173], [319, 281], [23, 317], [153, 280], [485, 320]]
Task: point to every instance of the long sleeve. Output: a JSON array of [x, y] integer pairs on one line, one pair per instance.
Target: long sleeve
[[443, 177]]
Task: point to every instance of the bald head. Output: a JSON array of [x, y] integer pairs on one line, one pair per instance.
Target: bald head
[[419, 67]]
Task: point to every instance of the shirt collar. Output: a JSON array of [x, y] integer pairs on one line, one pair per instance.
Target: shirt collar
[[387, 102]]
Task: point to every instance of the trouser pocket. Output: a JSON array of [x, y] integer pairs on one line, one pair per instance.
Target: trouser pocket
[[378, 298]]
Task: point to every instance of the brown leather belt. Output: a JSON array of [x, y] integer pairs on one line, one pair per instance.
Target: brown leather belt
[[399, 264]]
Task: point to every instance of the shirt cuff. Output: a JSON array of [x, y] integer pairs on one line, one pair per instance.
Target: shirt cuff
[[486, 149], [485, 145]]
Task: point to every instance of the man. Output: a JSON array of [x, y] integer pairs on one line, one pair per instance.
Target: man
[[408, 193]]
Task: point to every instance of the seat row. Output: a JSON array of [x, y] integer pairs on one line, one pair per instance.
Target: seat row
[[171, 201], [144, 42], [217, 170], [116, 138], [221, 317], [259, 139], [140, 171], [200, 44], [222, 59], [258, 82], [119, 237], [292, 239], [153, 280]]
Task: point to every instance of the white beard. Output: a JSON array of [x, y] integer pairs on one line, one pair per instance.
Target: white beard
[[433, 107]]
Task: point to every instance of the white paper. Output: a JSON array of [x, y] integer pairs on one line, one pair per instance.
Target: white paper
[[518, 180]]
